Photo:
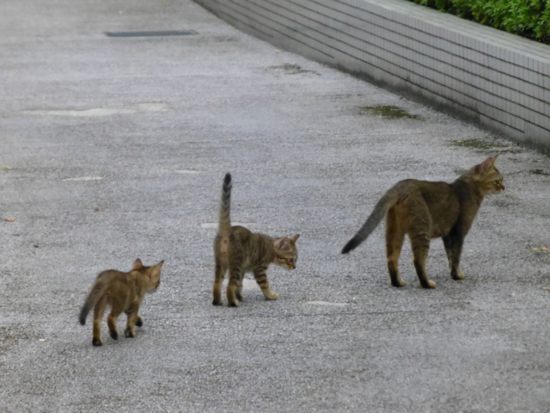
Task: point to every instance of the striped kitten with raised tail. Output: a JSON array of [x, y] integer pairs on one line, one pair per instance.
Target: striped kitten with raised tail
[[424, 210], [238, 250]]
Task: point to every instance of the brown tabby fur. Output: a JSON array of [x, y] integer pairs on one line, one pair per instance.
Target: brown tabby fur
[[426, 210], [123, 292], [238, 250]]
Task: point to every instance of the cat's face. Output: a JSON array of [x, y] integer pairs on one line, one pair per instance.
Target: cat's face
[[286, 253], [488, 177]]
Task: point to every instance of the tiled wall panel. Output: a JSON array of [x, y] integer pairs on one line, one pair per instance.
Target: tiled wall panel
[[501, 80]]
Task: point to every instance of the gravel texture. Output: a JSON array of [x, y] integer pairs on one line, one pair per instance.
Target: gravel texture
[[115, 148]]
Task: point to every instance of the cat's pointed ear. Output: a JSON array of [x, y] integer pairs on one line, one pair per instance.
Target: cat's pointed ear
[[295, 238], [486, 164], [281, 243], [160, 264], [137, 265]]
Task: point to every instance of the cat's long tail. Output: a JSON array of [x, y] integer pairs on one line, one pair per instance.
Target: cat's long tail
[[97, 291], [225, 206], [382, 207]]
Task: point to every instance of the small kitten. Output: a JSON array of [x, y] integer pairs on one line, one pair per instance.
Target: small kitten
[[123, 292], [426, 210], [238, 250]]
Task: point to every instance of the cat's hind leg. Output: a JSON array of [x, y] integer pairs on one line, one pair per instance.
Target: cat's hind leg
[[218, 280], [263, 282], [99, 310], [234, 285], [116, 310], [394, 242], [421, 245], [419, 231], [453, 247]]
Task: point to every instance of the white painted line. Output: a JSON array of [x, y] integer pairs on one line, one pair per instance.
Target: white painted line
[[248, 285], [187, 171], [152, 107], [84, 178], [124, 110], [326, 303]]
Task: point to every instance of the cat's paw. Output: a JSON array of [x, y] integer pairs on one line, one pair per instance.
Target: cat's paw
[[129, 333], [233, 303], [114, 334], [428, 284], [398, 283], [272, 296], [139, 322], [395, 278], [97, 342], [457, 275], [217, 302]]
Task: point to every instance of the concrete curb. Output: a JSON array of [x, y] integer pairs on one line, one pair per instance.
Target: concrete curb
[[496, 79]]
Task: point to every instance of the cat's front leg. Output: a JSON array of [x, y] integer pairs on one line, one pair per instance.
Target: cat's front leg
[[239, 292], [453, 247], [263, 282], [133, 319]]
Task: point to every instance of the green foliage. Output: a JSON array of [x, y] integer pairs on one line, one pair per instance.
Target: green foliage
[[527, 18]]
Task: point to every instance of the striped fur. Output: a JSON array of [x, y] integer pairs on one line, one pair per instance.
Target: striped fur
[[379, 212], [238, 250], [425, 210], [225, 206]]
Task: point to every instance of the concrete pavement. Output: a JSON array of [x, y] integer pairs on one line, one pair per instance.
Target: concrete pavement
[[115, 148]]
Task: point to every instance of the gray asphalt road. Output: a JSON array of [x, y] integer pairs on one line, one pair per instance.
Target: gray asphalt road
[[115, 148]]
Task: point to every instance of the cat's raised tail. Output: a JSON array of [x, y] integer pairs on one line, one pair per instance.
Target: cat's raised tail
[[225, 206], [390, 198]]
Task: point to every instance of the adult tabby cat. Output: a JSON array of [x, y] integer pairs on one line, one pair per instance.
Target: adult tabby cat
[[426, 210], [238, 250], [123, 292]]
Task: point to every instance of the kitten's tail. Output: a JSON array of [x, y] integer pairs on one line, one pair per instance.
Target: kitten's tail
[[225, 206], [382, 207], [97, 291]]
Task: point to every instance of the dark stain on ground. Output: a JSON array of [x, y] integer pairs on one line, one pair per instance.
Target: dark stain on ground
[[539, 172], [488, 145], [392, 112], [291, 69]]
